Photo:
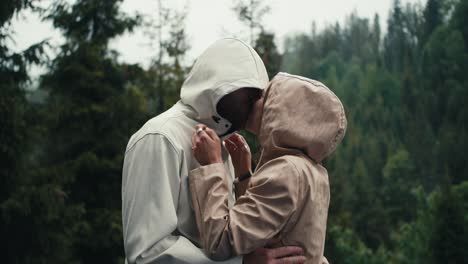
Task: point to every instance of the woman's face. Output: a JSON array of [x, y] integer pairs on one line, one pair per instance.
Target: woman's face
[[254, 120]]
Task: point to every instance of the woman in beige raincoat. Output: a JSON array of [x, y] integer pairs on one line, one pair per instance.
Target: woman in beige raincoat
[[299, 123]]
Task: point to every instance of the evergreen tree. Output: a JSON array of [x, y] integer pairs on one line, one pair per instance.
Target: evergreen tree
[[266, 48], [449, 237], [92, 112], [376, 37], [405, 125], [37, 225], [459, 19], [432, 17]]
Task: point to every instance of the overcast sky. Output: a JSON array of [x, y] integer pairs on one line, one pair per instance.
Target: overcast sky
[[209, 20]]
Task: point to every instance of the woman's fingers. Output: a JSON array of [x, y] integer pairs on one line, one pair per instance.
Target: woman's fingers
[[200, 126], [204, 138], [242, 139], [204, 132], [230, 145], [206, 149], [290, 260], [234, 138], [211, 133], [200, 134], [239, 141]]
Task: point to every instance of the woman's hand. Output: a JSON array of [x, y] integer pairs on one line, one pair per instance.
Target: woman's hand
[[283, 255], [206, 146], [240, 154]]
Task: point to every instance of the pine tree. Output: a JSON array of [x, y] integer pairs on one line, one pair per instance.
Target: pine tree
[[432, 17], [268, 52], [37, 225], [449, 237], [376, 37], [92, 113]]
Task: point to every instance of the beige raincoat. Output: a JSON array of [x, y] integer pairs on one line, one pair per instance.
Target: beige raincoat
[[289, 194]]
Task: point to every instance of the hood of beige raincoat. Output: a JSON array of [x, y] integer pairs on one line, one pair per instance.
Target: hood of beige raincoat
[[300, 115], [226, 66]]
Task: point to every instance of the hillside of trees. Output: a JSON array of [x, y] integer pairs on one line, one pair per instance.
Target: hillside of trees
[[399, 180]]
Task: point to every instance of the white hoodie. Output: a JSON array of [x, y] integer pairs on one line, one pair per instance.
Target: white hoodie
[[158, 221]]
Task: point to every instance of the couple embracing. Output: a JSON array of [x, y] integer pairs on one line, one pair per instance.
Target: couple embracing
[[188, 192]]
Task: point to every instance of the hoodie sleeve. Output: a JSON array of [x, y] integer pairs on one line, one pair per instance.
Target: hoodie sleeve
[[255, 218], [150, 193]]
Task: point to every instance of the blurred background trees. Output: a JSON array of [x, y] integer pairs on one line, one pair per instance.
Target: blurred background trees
[[399, 180]]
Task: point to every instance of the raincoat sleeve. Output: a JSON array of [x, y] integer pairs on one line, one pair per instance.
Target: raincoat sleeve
[[150, 192], [255, 218]]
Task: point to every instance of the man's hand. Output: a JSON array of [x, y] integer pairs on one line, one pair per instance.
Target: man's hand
[[206, 146], [240, 154], [281, 255]]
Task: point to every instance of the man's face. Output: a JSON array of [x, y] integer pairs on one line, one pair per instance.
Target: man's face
[[237, 106]]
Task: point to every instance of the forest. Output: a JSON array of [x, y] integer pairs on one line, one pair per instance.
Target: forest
[[399, 180]]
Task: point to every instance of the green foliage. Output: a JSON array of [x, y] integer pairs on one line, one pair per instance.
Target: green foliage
[[91, 111], [266, 48], [93, 22], [31, 209], [398, 184], [404, 99], [345, 247], [439, 231]]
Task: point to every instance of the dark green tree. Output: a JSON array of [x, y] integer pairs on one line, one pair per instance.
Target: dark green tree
[[459, 20], [37, 224], [266, 48], [432, 17], [397, 188], [450, 232], [445, 64], [376, 36], [92, 111], [406, 124]]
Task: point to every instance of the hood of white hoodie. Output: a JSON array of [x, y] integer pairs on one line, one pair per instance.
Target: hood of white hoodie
[[226, 66]]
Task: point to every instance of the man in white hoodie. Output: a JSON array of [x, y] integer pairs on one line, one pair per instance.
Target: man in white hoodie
[[159, 225]]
